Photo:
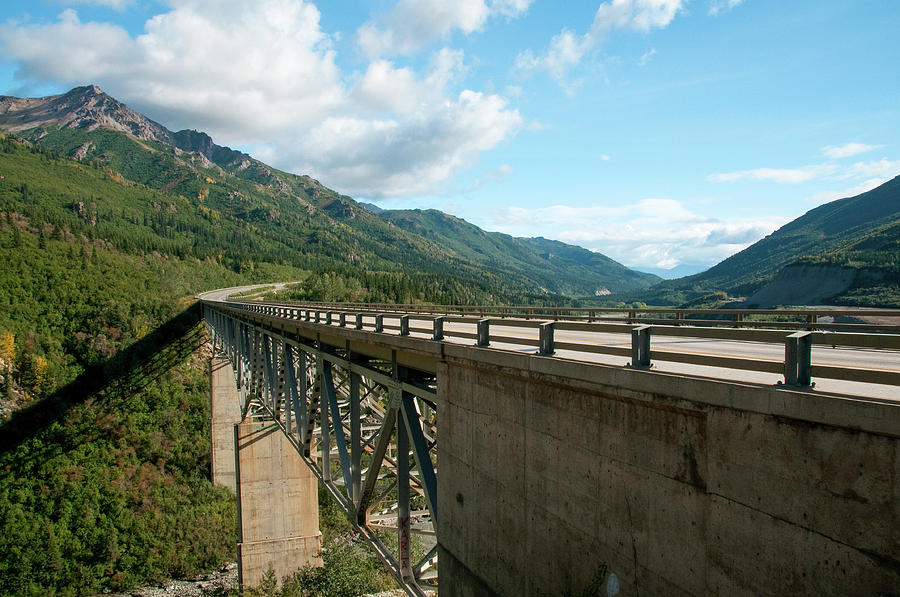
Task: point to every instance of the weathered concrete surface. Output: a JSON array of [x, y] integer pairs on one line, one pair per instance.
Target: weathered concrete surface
[[680, 486], [225, 411], [277, 505]]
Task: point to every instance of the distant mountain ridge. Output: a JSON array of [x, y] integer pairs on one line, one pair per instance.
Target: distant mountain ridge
[[303, 216], [548, 259], [857, 233]]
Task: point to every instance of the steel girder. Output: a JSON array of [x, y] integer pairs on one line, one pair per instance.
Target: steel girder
[[367, 428]]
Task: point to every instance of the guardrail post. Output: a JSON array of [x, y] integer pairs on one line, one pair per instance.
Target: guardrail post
[[318, 316], [640, 347], [404, 325], [328, 317], [343, 320], [484, 332], [798, 359], [546, 347], [438, 332], [379, 322], [359, 322]]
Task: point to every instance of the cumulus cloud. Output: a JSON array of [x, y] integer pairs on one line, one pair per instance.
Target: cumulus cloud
[[394, 157], [416, 24], [837, 152], [567, 49], [263, 75], [649, 233]]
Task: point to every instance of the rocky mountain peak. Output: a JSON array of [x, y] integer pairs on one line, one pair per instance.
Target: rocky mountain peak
[[89, 107]]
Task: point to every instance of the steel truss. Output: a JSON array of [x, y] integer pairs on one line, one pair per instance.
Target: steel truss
[[355, 421]]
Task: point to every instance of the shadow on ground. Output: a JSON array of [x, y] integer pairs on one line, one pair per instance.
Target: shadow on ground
[[129, 371]]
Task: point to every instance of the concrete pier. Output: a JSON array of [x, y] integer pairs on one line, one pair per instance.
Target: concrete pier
[[277, 505], [225, 413]]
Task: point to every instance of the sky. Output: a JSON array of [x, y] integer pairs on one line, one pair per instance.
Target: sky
[[666, 134]]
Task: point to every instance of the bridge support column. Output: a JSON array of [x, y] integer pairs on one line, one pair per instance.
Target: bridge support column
[[225, 412], [278, 507]]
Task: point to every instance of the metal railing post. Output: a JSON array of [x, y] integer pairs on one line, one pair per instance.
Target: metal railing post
[[438, 332], [798, 359], [484, 332], [404, 325], [640, 347], [379, 322], [343, 320], [546, 346], [359, 321]]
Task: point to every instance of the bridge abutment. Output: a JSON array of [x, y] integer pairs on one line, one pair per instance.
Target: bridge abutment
[[552, 473]]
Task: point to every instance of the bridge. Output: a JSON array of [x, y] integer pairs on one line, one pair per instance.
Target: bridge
[[627, 452]]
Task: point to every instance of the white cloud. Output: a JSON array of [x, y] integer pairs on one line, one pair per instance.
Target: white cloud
[[784, 175], [828, 196], [883, 168], [567, 49], [646, 56], [415, 24], [263, 75], [495, 175], [113, 4], [869, 174], [605, 157], [837, 152], [392, 157], [717, 7], [649, 233]]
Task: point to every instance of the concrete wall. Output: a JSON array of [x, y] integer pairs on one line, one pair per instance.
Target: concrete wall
[[277, 505], [551, 471], [225, 412]]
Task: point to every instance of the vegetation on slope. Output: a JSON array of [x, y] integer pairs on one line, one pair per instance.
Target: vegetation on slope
[[104, 466]]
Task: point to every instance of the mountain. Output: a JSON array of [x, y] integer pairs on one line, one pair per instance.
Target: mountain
[[553, 265], [843, 252], [285, 218]]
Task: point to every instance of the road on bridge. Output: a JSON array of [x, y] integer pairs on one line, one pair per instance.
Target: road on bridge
[[879, 359]]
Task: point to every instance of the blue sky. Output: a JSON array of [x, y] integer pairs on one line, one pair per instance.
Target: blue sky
[[662, 133]]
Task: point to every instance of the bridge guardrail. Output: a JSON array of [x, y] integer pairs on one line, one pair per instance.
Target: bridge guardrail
[[807, 318], [797, 366]]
